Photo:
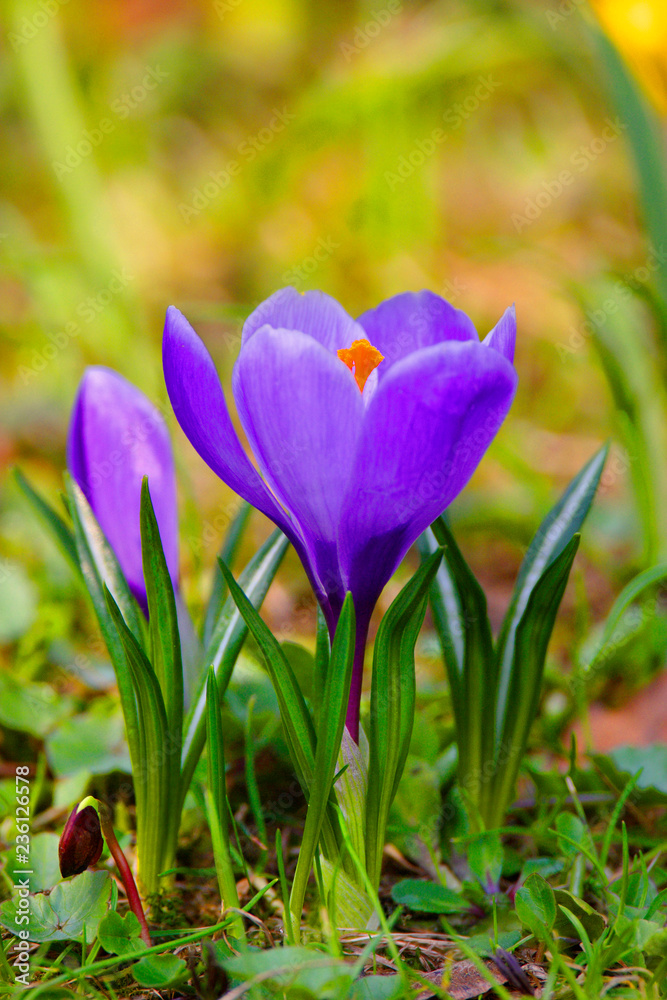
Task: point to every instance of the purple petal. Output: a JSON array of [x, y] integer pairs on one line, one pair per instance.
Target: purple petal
[[116, 437], [199, 404], [302, 412], [314, 313], [407, 322], [503, 336], [426, 429]]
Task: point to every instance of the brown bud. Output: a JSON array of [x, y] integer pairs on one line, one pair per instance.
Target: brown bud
[[81, 841]]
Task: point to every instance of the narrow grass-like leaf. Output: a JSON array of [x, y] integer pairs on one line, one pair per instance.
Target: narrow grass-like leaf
[[392, 705], [629, 595], [61, 533], [88, 537], [475, 704], [554, 534], [254, 800], [226, 641], [99, 564], [298, 725], [216, 800], [533, 633], [165, 645], [153, 841], [329, 736], [646, 142], [228, 551], [322, 654], [447, 611]]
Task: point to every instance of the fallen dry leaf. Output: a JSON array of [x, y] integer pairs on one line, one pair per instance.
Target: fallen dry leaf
[[461, 980]]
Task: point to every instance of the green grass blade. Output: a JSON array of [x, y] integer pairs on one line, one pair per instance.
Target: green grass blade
[[226, 641], [228, 551], [392, 705], [216, 800], [533, 633], [329, 736], [53, 521], [555, 533]]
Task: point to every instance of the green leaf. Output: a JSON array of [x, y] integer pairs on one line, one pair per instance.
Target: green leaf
[[159, 972], [485, 859], [98, 566], [165, 647], [225, 645], [529, 650], [329, 736], [592, 921], [93, 741], [388, 987], [392, 705], [30, 707], [53, 521], [554, 535], [459, 608], [572, 829], [120, 935], [156, 794], [427, 897], [536, 906], [650, 760], [307, 973], [227, 553], [71, 906], [45, 870]]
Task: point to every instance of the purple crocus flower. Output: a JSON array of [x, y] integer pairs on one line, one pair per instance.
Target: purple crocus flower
[[363, 431], [116, 437]]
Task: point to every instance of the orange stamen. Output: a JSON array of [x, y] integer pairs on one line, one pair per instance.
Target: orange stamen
[[361, 358]]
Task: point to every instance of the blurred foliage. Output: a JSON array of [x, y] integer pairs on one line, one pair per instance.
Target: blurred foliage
[[207, 153]]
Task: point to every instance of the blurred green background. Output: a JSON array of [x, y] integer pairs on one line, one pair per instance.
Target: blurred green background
[[207, 153]]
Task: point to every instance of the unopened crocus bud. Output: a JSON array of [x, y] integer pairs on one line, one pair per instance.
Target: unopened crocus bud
[[116, 437], [81, 841]]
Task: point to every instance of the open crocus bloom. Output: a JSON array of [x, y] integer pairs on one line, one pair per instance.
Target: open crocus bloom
[[363, 431], [116, 437]]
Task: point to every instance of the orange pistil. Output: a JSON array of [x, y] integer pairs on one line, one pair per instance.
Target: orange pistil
[[361, 358]]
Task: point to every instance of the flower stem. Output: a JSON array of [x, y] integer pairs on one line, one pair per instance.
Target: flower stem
[[354, 701], [126, 875]]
